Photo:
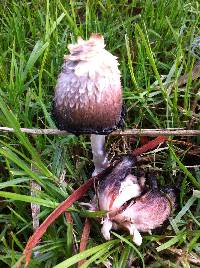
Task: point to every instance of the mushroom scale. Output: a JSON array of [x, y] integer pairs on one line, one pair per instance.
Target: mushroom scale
[[88, 94]]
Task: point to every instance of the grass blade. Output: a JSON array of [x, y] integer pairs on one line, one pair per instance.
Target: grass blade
[[87, 253]]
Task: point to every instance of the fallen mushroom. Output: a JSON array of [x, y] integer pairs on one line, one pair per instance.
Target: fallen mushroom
[[146, 213], [119, 186], [129, 205], [88, 95]]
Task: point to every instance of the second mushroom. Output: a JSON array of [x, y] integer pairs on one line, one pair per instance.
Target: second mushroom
[[129, 204]]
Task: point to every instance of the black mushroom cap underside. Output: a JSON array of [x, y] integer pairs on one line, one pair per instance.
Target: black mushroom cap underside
[[118, 174]]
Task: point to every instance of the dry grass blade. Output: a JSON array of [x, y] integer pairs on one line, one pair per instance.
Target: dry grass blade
[[190, 257], [195, 75], [84, 238]]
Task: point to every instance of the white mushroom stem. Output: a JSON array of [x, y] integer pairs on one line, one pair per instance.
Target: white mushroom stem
[[137, 238], [106, 228], [100, 158]]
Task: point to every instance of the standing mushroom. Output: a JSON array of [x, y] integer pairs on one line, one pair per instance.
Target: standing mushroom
[[88, 95]]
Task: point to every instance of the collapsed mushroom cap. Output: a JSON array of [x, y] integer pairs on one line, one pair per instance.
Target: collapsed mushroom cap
[[88, 94], [119, 186], [129, 206], [148, 211]]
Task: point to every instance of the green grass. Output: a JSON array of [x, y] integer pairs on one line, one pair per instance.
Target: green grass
[[154, 41]]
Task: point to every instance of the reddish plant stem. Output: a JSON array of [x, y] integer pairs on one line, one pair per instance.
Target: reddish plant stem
[[69, 217], [84, 238], [144, 140], [149, 146], [76, 195]]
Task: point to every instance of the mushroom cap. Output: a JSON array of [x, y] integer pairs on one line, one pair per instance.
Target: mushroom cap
[[88, 94], [148, 211], [129, 204], [119, 186]]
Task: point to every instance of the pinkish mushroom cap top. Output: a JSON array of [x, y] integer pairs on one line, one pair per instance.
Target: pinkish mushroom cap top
[[96, 41], [92, 48]]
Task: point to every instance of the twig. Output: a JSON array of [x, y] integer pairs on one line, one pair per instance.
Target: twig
[[191, 257], [126, 132], [35, 208]]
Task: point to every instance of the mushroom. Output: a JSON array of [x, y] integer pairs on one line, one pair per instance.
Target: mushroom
[[88, 95], [129, 205]]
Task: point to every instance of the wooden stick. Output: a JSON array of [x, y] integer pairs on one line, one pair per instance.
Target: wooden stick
[[126, 132], [190, 257]]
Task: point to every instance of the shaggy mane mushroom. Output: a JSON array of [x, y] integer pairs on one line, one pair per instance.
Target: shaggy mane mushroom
[[88, 95]]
